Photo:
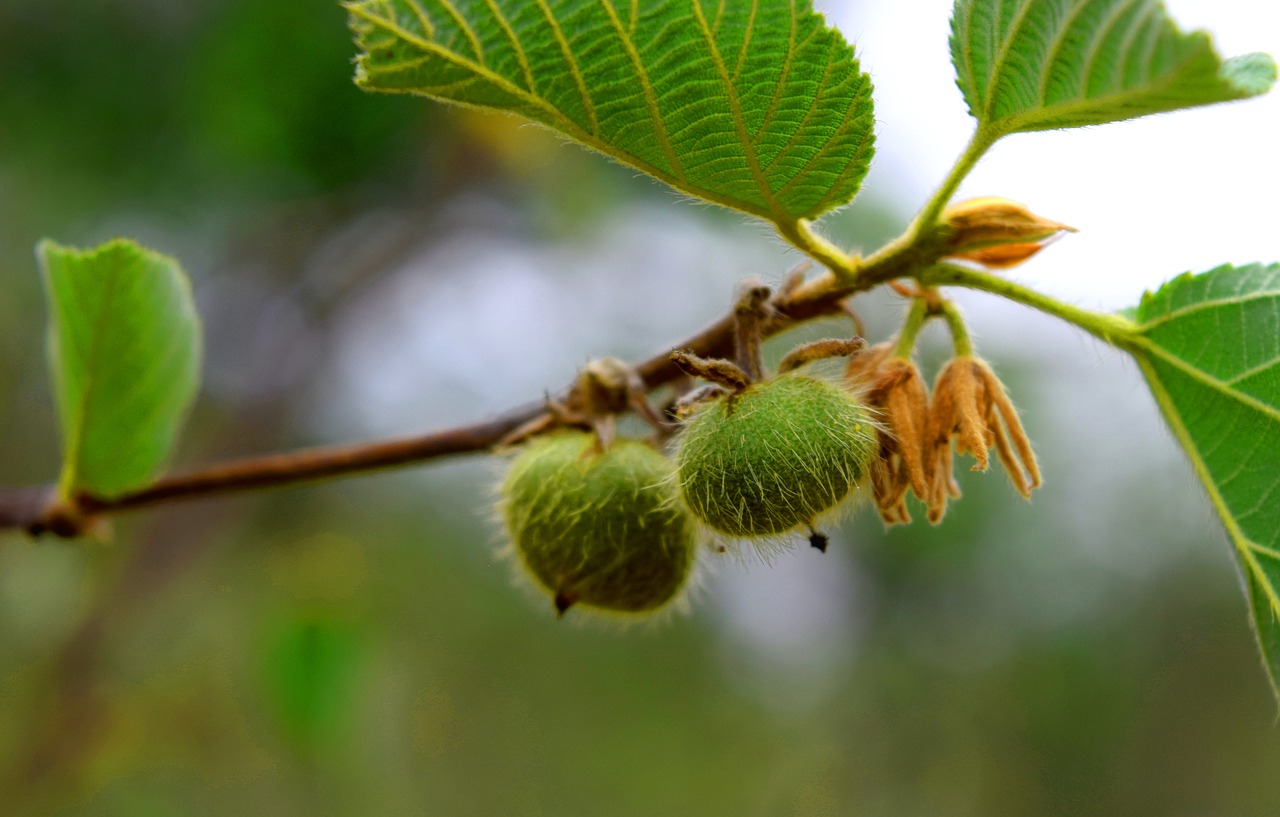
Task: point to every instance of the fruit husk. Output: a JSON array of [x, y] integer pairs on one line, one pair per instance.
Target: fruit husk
[[775, 456], [598, 528]]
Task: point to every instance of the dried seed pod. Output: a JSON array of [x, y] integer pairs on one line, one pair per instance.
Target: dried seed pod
[[774, 456], [603, 529]]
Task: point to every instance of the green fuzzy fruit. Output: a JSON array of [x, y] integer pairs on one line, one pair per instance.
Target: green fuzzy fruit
[[605, 530], [774, 456]]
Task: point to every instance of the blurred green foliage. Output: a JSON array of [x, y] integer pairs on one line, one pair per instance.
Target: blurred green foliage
[[357, 648]]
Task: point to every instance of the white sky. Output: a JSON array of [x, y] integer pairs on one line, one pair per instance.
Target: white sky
[[1153, 197]]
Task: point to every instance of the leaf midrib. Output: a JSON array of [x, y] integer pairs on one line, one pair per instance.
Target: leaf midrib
[[735, 107], [75, 436]]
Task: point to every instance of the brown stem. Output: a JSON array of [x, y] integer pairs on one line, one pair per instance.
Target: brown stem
[[318, 463]]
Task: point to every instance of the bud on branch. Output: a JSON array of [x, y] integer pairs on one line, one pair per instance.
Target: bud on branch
[[996, 232]]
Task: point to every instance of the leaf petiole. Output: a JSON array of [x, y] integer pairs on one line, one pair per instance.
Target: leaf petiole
[[917, 317], [979, 144], [1114, 329], [961, 341]]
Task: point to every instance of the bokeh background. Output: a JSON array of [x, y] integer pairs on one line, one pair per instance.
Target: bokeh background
[[371, 266]]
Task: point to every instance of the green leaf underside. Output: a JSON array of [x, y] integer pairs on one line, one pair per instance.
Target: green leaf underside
[[124, 354], [1028, 65], [1210, 351], [752, 104]]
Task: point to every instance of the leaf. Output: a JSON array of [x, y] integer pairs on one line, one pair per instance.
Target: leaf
[[124, 353], [1028, 65], [757, 106], [1209, 346], [311, 678]]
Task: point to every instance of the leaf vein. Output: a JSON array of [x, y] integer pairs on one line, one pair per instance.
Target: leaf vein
[[646, 87], [424, 20], [1100, 38], [572, 63], [465, 27], [1051, 54], [1256, 370], [1200, 306], [998, 64], [517, 47], [1209, 380], [746, 39], [778, 87], [735, 108]]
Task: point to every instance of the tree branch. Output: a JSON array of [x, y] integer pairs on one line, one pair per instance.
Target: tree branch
[[36, 509], [318, 463], [39, 510]]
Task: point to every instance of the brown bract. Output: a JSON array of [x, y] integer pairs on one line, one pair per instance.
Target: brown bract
[[971, 409], [1005, 256], [895, 388], [918, 437], [997, 233]]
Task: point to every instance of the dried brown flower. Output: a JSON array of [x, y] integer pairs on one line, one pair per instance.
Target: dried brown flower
[[971, 409], [895, 388]]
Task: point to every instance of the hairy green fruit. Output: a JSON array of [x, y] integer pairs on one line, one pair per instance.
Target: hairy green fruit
[[774, 456], [602, 529]]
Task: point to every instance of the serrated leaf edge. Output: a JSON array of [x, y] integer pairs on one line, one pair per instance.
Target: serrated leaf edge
[[1244, 546]]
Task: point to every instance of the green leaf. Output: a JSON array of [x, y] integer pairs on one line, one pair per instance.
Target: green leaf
[[124, 353], [1209, 346], [311, 674], [757, 106], [1028, 65]]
